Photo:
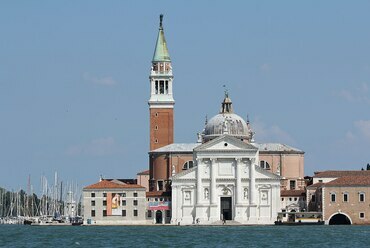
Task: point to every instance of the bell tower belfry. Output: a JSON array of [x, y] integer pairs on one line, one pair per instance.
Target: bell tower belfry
[[161, 102]]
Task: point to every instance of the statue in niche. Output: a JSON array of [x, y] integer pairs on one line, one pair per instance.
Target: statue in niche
[[206, 194], [246, 193]]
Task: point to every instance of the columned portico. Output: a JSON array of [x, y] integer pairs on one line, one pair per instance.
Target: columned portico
[[227, 184]]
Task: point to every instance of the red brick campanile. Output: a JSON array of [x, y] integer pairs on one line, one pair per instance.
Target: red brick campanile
[[161, 102]]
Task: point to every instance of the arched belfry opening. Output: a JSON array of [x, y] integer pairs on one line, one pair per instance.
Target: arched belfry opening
[[339, 219]]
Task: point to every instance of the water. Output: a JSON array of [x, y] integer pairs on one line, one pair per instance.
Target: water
[[182, 236]]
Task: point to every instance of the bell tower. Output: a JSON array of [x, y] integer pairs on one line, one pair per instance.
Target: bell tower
[[161, 102]]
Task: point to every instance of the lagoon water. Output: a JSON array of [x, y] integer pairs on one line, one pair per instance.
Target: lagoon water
[[184, 236]]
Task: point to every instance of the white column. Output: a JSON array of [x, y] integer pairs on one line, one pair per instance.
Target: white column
[[174, 206], [213, 192], [199, 181], [252, 182], [238, 183]]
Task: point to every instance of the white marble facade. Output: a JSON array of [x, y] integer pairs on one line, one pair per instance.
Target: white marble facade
[[226, 183]]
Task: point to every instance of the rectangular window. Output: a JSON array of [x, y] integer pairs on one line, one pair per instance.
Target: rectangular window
[[123, 194], [156, 86], [92, 213], [362, 197], [313, 198], [166, 88], [345, 197], [135, 212], [282, 199], [104, 212], [332, 197], [104, 203], [135, 202], [149, 213], [104, 194], [124, 212], [362, 215], [168, 213], [124, 203], [292, 184], [135, 194], [284, 215], [92, 194], [93, 203], [160, 185]]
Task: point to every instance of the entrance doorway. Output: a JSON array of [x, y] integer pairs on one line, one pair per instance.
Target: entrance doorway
[[158, 217], [226, 209], [339, 219]]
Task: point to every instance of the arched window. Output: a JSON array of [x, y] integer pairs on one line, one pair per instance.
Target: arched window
[[187, 165], [265, 165]]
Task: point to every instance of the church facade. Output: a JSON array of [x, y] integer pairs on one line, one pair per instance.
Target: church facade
[[225, 174]]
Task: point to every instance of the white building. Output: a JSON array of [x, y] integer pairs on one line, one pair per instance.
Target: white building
[[226, 182]]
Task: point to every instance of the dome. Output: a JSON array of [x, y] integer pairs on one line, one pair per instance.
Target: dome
[[226, 122]]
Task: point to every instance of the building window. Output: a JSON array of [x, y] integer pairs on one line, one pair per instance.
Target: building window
[[332, 197], [188, 165], [160, 185], [320, 181], [156, 141], [290, 198], [93, 203], [92, 194], [161, 87], [135, 194], [104, 203], [135, 212], [104, 194], [283, 210], [265, 165], [156, 86], [292, 184], [156, 127], [168, 213], [282, 199], [156, 114], [345, 197], [295, 198], [104, 212], [123, 194], [149, 213], [361, 197], [135, 202], [92, 213], [124, 203], [123, 212], [362, 215], [313, 198]]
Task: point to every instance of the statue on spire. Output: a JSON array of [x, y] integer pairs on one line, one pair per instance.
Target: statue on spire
[[160, 20]]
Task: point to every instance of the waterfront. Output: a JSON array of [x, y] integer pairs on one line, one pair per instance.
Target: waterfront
[[183, 236]]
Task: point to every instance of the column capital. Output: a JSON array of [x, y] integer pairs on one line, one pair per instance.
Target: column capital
[[238, 160], [213, 160]]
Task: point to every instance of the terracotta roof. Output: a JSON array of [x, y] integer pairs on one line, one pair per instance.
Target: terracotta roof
[[292, 192], [146, 172], [315, 185], [158, 193], [105, 184], [363, 180], [333, 173]]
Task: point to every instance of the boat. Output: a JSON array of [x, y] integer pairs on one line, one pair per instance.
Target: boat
[[299, 218]]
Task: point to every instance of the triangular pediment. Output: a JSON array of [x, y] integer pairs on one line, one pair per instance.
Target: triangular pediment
[[262, 173], [187, 174], [225, 143]]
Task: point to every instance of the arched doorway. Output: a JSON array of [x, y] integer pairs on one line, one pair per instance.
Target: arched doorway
[[339, 219], [158, 217]]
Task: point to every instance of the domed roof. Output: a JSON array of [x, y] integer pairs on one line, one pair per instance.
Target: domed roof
[[226, 122]]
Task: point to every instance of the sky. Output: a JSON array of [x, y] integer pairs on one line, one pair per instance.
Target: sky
[[74, 81]]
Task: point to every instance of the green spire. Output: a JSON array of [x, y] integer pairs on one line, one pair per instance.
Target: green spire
[[161, 52]]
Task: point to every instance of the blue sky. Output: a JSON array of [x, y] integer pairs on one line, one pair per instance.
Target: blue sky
[[74, 80]]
